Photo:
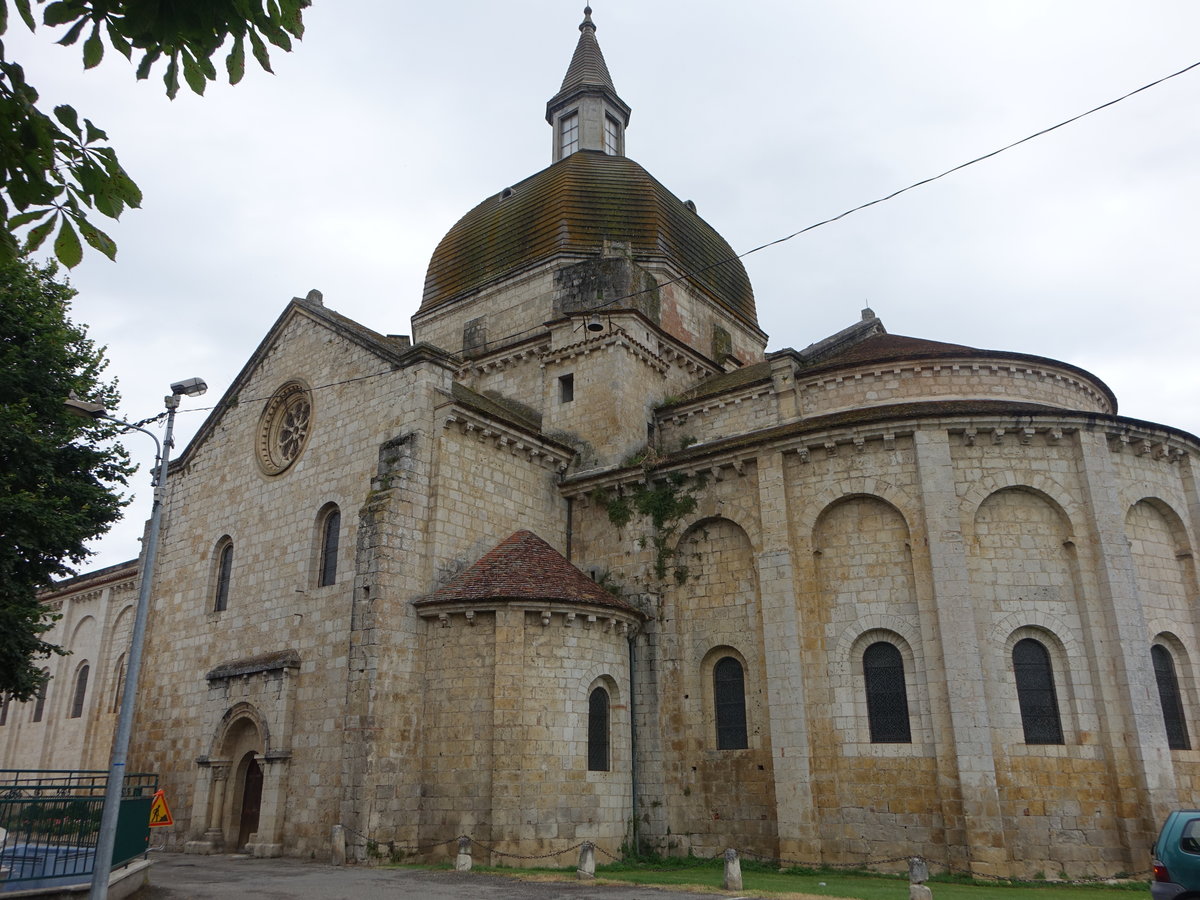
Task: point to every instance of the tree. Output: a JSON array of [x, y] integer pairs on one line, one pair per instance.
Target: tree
[[60, 476], [56, 171]]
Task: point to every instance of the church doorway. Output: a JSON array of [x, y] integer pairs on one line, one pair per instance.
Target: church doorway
[[251, 800]]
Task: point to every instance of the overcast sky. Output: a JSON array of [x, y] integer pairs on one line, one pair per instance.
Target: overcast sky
[[390, 120]]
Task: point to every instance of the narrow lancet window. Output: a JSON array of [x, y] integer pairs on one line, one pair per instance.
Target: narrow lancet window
[[887, 694], [597, 734], [729, 694]]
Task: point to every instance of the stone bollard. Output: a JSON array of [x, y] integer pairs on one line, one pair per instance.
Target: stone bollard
[[586, 870], [733, 870], [463, 862], [338, 845], [918, 874]]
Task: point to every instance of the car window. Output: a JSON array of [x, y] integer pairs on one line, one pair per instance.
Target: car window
[[1189, 840]]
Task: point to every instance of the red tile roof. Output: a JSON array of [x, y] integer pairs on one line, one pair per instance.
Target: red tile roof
[[524, 567]]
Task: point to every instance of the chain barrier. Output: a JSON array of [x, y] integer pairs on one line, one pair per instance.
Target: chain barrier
[[493, 850], [611, 856], [393, 845], [779, 861]]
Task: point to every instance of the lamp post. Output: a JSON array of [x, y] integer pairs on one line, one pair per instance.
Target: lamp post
[[102, 866]]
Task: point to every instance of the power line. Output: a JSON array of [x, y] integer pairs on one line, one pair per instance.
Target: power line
[[916, 184]]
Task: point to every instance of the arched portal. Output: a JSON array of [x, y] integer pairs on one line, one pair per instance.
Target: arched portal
[[244, 783]]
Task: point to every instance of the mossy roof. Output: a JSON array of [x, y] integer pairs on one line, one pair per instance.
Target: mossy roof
[[569, 210]]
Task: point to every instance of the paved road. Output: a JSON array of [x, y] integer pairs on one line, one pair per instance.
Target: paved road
[[176, 876]]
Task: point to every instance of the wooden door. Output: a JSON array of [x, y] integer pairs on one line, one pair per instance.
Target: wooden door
[[251, 802]]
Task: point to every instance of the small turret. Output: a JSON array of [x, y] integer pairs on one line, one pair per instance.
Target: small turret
[[587, 113]]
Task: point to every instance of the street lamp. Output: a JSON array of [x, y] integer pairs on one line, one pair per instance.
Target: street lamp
[[102, 866]]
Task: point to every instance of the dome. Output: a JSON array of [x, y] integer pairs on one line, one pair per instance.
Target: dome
[[568, 211]]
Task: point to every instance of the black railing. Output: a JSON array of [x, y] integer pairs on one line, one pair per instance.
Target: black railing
[[52, 821]]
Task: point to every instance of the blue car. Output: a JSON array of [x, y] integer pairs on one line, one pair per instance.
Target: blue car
[[1177, 857]]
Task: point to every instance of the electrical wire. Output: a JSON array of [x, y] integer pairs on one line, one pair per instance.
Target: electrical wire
[[692, 274]]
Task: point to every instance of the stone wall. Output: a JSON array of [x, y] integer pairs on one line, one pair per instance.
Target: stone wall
[[95, 626], [1016, 381]]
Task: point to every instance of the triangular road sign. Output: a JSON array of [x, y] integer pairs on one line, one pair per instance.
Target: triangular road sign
[[160, 814]]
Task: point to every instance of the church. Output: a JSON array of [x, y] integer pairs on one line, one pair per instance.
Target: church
[[579, 559]]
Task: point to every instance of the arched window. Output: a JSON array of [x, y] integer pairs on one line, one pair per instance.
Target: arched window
[[1035, 693], [887, 695], [597, 734], [1169, 697], [729, 701], [331, 527], [81, 681], [39, 706], [224, 569], [119, 685]]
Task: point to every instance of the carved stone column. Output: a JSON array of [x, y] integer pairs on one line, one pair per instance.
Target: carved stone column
[[211, 781], [274, 802]]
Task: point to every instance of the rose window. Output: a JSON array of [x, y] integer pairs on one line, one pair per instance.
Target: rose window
[[284, 428]]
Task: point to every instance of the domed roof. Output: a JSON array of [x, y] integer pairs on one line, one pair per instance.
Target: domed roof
[[568, 211]]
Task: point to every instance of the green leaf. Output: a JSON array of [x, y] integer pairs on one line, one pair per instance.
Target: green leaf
[[73, 35], [61, 13], [93, 133], [22, 219], [68, 117], [148, 61], [120, 44], [107, 204], [291, 17], [37, 235], [235, 63], [66, 246], [127, 190], [8, 246], [171, 77], [260, 52], [192, 74], [26, 13], [98, 239], [206, 66], [93, 49]]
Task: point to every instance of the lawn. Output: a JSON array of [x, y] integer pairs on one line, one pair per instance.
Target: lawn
[[761, 880]]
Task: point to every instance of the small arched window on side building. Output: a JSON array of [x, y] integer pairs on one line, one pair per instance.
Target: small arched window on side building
[[1036, 695], [39, 706], [327, 559], [81, 684], [729, 704], [118, 685], [597, 731], [1170, 698], [224, 572], [887, 694]]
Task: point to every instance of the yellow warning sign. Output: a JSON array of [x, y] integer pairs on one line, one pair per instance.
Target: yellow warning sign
[[160, 814]]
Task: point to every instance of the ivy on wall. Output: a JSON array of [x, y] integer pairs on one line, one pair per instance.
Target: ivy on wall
[[665, 500]]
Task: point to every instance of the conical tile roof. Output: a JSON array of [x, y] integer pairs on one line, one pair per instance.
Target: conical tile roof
[[587, 65], [524, 567]]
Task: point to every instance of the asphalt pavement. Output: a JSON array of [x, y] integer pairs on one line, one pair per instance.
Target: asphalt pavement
[[177, 876]]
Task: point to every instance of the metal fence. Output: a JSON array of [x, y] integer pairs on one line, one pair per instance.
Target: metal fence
[[52, 820]]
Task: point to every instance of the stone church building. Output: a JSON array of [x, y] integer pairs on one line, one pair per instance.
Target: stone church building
[[581, 560]]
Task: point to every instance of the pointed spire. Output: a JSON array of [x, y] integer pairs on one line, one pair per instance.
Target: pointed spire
[[587, 113], [587, 65]]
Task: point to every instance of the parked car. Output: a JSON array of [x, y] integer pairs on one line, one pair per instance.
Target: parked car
[[1177, 857]]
